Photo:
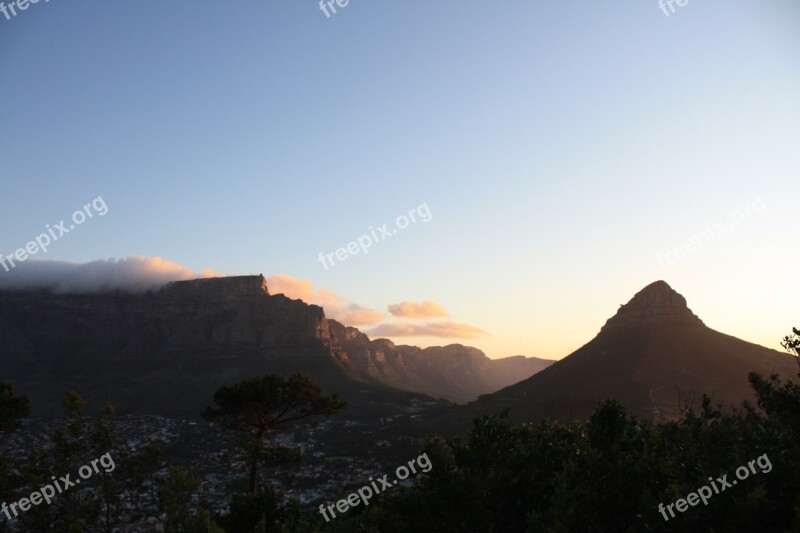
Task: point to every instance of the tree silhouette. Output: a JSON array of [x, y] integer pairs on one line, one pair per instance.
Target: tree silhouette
[[612, 472], [115, 489], [12, 408], [259, 407], [792, 343]]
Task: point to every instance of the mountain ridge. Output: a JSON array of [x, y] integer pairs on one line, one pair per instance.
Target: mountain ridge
[[182, 341], [454, 372], [179, 343], [654, 355]]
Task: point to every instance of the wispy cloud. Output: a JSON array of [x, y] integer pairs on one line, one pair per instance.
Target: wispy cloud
[[132, 274], [139, 274], [335, 306], [412, 309]]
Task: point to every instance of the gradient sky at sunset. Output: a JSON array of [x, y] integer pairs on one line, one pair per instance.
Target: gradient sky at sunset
[[560, 148]]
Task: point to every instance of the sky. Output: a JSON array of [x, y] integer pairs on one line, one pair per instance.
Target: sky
[[556, 157]]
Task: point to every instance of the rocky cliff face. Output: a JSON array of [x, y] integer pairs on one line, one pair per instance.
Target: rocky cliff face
[[227, 289], [455, 372], [167, 351], [656, 304], [190, 336], [221, 318]]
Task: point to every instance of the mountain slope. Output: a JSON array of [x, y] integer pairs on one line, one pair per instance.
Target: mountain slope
[[455, 372], [167, 351], [654, 355]]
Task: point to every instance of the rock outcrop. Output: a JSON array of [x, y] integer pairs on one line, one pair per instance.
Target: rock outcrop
[[455, 372], [167, 350], [164, 348], [656, 304]]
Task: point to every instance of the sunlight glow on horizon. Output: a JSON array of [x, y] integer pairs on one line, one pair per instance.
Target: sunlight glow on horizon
[[572, 155]]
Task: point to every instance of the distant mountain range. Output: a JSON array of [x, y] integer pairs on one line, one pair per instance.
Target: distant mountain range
[[167, 351], [454, 372], [654, 355]]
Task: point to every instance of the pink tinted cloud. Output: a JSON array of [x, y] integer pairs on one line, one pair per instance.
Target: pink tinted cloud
[[335, 306], [133, 274], [412, 309]]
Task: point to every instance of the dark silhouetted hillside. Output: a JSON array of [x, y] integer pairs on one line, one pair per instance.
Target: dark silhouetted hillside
[[654, 355]]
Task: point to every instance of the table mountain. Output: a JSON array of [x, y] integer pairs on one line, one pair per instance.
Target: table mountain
[[167, 351]]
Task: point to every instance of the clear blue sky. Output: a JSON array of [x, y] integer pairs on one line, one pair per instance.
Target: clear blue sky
[[559, 145]]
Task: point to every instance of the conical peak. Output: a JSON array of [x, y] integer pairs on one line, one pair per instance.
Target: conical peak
[[655, 305], [659, 285], [658, 292]]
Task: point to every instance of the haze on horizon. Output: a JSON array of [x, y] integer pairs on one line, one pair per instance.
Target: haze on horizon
[[569, 156]]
